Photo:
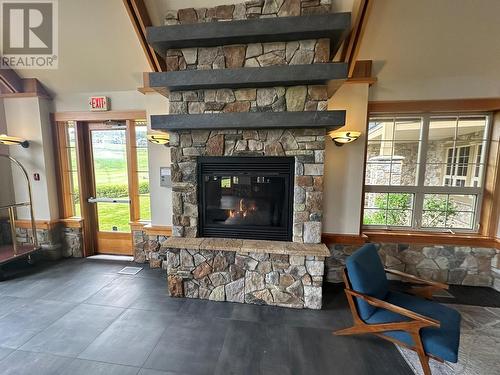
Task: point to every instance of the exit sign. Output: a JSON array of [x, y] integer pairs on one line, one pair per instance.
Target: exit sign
[[99, 103]]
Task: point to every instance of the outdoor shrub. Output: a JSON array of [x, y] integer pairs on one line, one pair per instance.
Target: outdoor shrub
[[115, 190]]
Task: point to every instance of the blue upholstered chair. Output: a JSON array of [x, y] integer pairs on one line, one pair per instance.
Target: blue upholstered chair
[[429, 328]]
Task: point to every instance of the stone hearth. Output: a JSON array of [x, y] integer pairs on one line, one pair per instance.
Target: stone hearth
[[246, 271]]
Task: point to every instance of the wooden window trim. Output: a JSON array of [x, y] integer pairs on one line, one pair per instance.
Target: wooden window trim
[[133, 179], [133, 174], [433, 238], [434, 106], [410, 237], [63, 169], [99, 116]]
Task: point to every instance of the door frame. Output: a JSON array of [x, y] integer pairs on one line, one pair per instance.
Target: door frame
[[114, 242], [85, 167]]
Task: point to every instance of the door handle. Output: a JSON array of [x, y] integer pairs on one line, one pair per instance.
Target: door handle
[[107, 200]]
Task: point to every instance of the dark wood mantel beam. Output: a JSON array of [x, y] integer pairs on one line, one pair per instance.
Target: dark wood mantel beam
[[140, 19]]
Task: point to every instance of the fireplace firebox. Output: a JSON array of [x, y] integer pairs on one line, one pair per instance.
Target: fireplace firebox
[[246, 197]]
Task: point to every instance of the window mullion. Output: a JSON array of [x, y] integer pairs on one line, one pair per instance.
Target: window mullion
[[418, 204]]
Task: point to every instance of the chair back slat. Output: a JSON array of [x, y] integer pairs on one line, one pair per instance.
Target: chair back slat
[[366, 275]]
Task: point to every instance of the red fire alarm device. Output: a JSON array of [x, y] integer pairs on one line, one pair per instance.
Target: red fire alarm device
[[99, 103], [36, 176]]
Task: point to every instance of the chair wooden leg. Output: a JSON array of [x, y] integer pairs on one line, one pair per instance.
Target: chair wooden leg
[[419, 348], [354, 330], [424, 361]]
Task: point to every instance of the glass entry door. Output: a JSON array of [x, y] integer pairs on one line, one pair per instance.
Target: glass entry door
[[111, 198]]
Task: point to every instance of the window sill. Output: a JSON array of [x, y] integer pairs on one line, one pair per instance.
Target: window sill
[[72, 222], [435, 238], [138, 225]]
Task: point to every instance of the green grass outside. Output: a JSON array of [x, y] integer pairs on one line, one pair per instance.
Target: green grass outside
[[113, 214], [110, 167]]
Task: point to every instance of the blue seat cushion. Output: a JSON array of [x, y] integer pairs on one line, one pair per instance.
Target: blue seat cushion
[[367, 275], [441, 342]]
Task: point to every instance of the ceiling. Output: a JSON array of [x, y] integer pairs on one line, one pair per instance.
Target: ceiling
[[98, 50]]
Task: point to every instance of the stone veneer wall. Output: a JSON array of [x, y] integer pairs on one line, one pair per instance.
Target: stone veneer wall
[[306, 145], [255, 278], [72, 242], [461, 265], [495, 270], [272, 99], [55, 242], [49, 239], [249, 55], [248, 10], [147, 248]]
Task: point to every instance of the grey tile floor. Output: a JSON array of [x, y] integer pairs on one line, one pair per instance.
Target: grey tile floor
[[79, 316]]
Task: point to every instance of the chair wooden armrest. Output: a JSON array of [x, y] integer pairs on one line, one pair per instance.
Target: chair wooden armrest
[[394, 308], [417, 280]]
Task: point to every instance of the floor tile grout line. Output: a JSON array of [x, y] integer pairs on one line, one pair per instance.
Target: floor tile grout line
[[73, 359], [100, 333], [155, 345]]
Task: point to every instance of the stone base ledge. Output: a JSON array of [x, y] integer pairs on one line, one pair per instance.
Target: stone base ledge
[[292, 281], [247, 246]]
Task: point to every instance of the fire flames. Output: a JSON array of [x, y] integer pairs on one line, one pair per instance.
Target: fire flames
[[244, 210]]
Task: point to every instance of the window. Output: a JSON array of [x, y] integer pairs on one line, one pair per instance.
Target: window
[[425, 172], [66, 133], [141, 149], [457, 165]]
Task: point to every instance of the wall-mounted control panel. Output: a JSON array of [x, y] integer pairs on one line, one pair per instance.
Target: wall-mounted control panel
[[165, 177]]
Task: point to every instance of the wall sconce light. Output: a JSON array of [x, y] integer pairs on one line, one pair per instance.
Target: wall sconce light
[[9, 141], [159, 139], [341, 138]]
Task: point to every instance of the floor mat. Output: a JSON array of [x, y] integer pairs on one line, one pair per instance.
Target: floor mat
[[130, 270], [119, 258]]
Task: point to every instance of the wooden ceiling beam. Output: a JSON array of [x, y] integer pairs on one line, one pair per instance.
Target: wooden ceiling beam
[[442, 105], [25, 88], [140, 19], [351, 49], [362, 73], [10, 82]]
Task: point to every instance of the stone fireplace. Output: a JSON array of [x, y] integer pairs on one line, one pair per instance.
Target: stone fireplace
[[248, 116]]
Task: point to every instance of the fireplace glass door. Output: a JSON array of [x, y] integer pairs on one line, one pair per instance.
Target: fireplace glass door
[[248, 197]]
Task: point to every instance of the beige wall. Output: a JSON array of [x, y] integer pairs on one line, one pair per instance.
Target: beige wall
[[430, 49], [344, 165], [120, 100], [159, 156], [29, 118]]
